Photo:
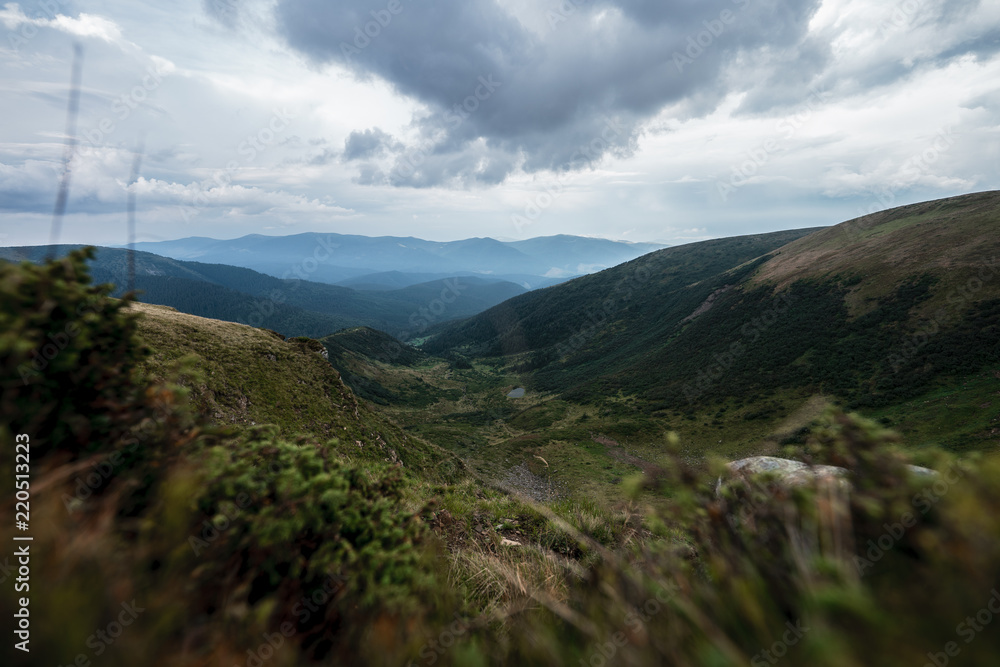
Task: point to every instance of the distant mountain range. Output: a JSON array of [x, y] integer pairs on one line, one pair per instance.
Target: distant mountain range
[[292, 307], [336, 258]]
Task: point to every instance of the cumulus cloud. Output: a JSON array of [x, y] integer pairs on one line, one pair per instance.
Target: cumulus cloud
[[503, 96], [231, 198], [561, 69], [368, 144], [14, 19], [580, 116]]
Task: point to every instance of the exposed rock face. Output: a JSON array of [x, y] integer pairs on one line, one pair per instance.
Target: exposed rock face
[[829, 530], [795, 473], [792, 473]]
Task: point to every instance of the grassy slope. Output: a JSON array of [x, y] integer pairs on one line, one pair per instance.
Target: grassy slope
[[731, 570], [951, 238], [862, 288], [634, 293], [857, 294], [299, 391], [566, 442], [251, 376]]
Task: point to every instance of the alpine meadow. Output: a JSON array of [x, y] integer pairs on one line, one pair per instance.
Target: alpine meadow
[[484, 333]]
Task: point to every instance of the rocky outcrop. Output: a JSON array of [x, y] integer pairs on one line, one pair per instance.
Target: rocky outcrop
[[795, 473], [826, 529]]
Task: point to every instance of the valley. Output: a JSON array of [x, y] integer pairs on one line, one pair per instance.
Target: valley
[[480, 333], [739, 357], [562, 451], [738, 346]]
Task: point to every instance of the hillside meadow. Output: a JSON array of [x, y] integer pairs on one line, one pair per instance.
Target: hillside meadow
[[225, 483]]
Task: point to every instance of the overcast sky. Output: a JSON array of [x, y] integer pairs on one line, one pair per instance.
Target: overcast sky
[[643, 120]]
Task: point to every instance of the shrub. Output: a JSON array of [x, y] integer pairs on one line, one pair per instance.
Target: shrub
[[296, 517], [67, 357]]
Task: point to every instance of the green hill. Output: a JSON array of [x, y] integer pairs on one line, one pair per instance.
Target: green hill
[[638, 295], [218, 485], [873, 311], [248, 376], [360, 353]]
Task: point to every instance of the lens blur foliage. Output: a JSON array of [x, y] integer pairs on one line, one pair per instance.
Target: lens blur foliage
[[252, 547], [67, 354]]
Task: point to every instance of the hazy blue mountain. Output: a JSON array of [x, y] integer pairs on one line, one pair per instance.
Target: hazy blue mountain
[[388, 280], [292, 307], [587, 254], [333, 258]]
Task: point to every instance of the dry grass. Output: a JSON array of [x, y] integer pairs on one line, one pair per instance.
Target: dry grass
[[948, 237]]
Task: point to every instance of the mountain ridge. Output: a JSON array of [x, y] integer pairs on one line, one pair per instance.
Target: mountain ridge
[[345, 256], [292, 307], [911, 306]]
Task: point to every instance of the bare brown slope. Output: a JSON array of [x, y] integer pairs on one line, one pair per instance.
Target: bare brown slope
[[953, 238]]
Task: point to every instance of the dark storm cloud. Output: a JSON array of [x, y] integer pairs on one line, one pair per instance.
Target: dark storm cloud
[[368, 144], [502, 95], [938, 33], [982, 46]]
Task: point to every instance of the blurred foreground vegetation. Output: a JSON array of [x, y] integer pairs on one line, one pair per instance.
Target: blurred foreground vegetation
[[246, 545]]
